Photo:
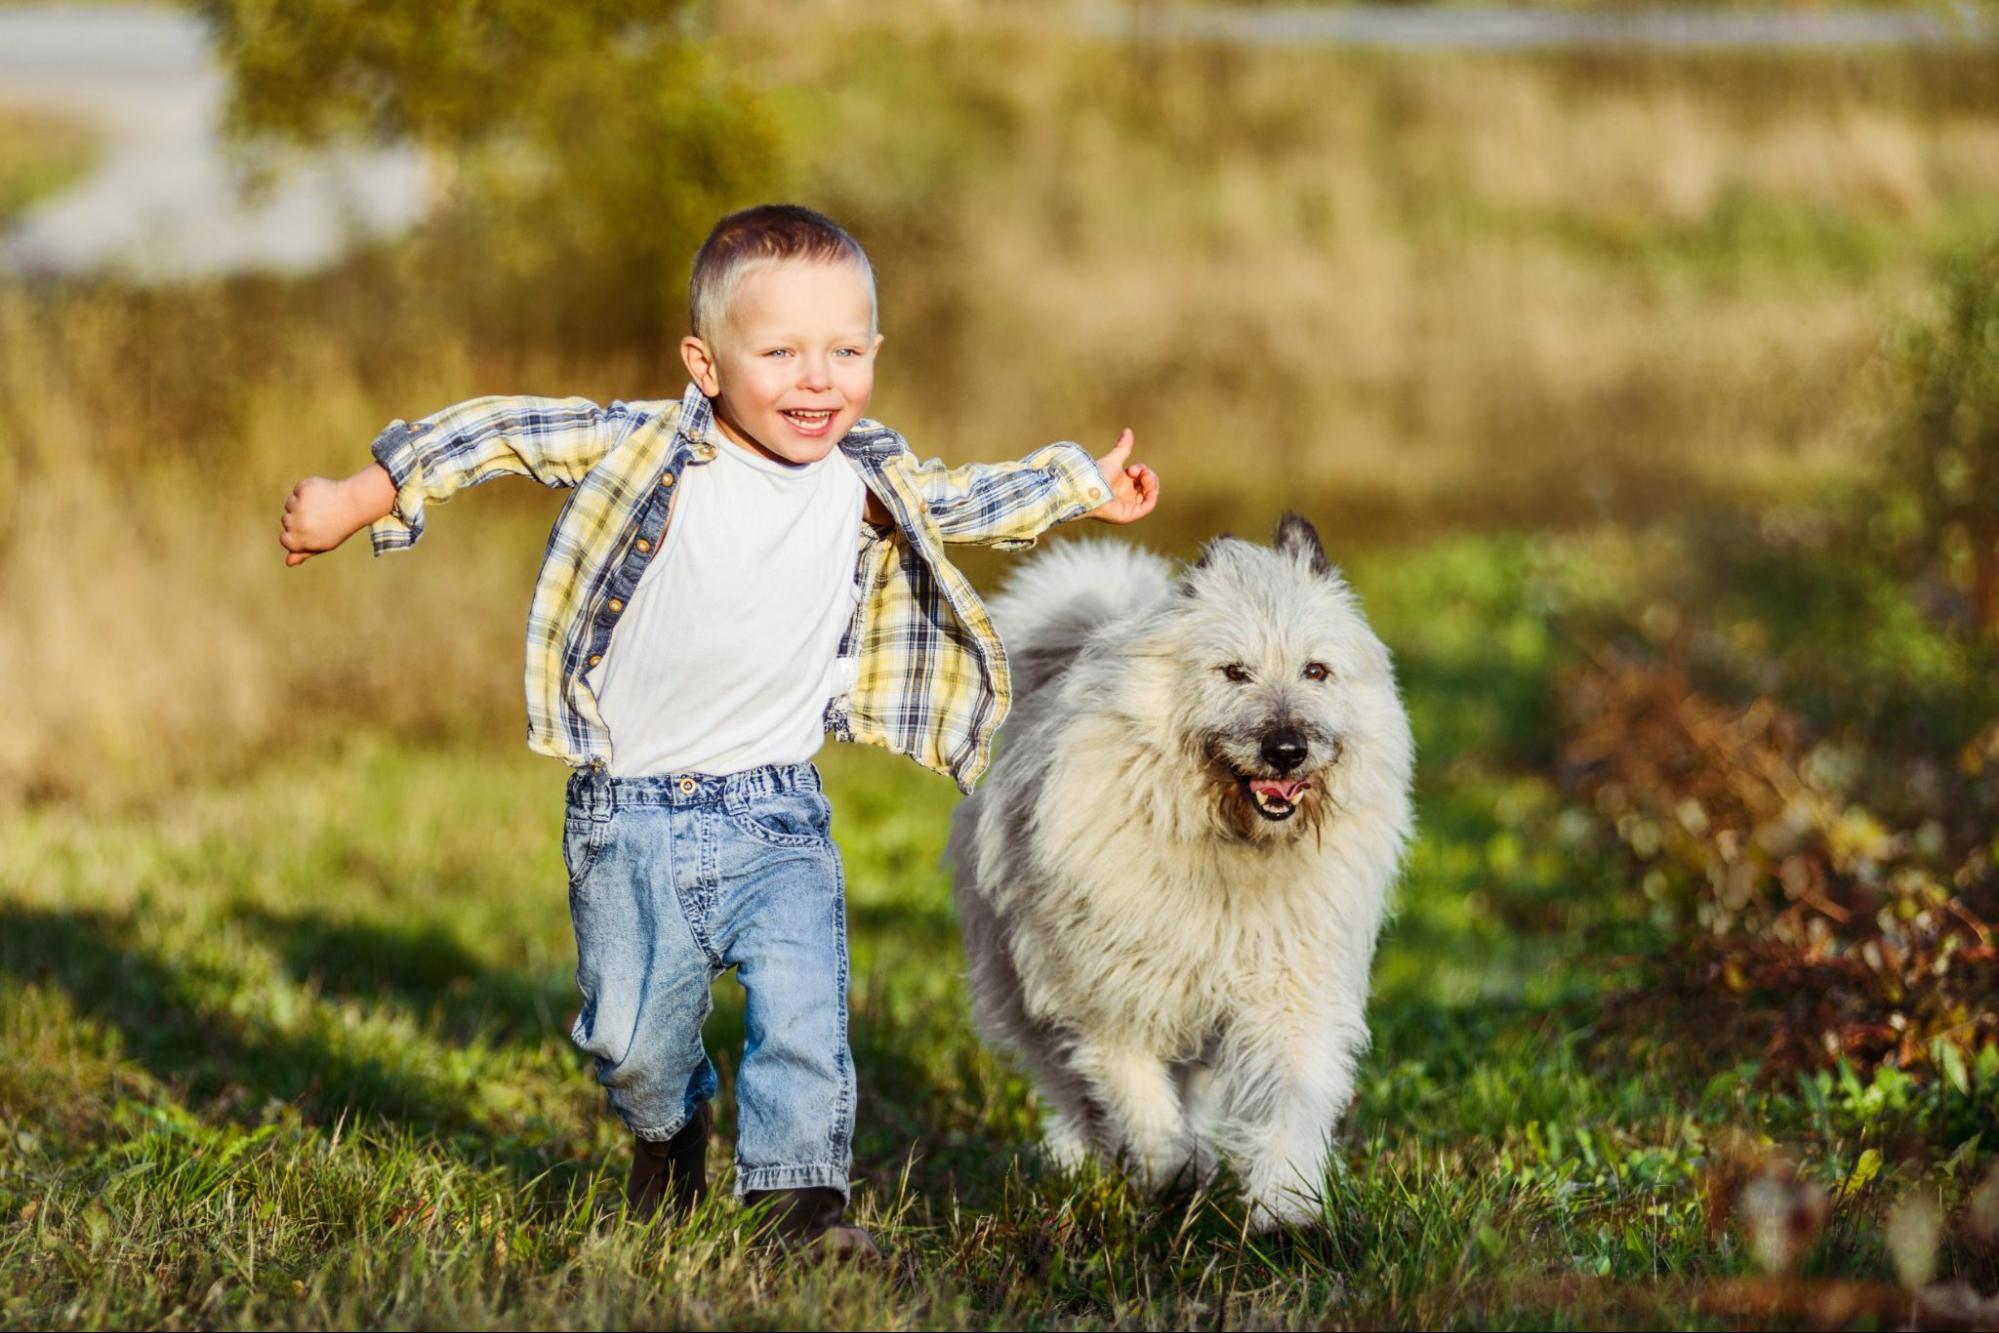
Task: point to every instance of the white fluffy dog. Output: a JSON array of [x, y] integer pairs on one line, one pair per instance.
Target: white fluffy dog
[[1171, 883]]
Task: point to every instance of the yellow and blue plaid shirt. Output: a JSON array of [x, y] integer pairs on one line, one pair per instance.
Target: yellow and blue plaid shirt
[[930, 678]]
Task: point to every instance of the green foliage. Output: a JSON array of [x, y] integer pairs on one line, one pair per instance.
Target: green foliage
[[590, 146], [1887, 1104], [1949, 454]]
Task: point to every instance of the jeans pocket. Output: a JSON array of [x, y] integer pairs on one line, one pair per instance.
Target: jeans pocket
[[583, 840], [795, 819]]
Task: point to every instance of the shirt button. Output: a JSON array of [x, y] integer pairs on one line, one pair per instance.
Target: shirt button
[[595, 658], [616, 606], [666, 482], [687, 786], [923, 506], [1096, 494], [644, 546]]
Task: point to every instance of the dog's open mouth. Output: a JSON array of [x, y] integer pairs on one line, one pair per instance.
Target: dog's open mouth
[[1276, 799]]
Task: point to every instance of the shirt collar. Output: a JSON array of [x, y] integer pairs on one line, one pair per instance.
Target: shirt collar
[[697, 422], [870, 440]]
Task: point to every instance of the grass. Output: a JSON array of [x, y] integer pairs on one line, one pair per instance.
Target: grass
[[290, 1050]]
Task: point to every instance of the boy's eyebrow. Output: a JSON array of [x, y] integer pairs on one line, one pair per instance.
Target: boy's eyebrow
[[770, 336]]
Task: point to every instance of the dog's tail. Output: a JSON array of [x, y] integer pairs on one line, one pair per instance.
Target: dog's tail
[[1054, 602]]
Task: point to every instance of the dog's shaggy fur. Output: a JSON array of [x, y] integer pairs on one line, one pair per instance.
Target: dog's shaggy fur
[[1171, 883]]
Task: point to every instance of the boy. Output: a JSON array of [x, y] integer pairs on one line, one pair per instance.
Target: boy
[[719, 591]]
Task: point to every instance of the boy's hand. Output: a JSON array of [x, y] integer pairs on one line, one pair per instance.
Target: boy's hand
[[1134, 486], [322, 513]]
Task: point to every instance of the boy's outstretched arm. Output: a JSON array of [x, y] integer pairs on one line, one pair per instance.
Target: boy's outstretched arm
[[1008, 505], [322, 513], [554, 440]]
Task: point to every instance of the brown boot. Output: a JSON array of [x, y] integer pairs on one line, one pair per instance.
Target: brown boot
[[672, 1174], [808, 1222]]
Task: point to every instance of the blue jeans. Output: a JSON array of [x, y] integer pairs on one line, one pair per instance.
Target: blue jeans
[[671, 880]]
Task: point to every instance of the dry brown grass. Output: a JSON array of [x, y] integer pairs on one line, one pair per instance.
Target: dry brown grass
[[1401, 294], [1808, 925], [1373, 278]]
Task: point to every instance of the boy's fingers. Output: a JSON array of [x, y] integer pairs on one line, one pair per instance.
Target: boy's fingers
[[297, 558], [1120, 451]]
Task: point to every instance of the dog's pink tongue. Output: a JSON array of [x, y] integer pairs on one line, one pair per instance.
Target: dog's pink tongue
[[1284, 789]]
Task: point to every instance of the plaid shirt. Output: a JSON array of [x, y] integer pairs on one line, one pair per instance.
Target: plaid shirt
[[930, 676]]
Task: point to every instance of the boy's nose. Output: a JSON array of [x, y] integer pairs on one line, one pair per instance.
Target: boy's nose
[[814, 373]]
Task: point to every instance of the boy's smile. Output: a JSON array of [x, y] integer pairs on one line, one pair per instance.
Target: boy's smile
[[794, 367]]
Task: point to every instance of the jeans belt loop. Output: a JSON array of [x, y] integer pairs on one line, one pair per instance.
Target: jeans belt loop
[[600, 791]]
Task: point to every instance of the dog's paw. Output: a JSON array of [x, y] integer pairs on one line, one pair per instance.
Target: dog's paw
[[1282, 1195], [1064, 1144], [1154, 1171], [1282, 1210], [1158, 1153]]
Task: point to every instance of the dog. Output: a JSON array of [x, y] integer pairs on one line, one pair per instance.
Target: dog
[[1171, 882]]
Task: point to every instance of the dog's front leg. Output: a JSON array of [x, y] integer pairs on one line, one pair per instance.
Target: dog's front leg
[[1287, 1078], [1141, 1105]]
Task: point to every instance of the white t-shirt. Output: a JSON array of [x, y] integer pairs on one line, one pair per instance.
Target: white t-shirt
[[726, 653]]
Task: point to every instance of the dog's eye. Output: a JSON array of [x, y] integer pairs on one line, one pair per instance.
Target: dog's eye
[[1236, 672], [1317, 671]]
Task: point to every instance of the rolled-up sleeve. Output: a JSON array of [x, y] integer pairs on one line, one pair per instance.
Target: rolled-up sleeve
[[1008, 505], [554, 440]]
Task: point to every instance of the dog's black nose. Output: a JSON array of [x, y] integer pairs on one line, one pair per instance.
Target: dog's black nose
[[1284, 750]]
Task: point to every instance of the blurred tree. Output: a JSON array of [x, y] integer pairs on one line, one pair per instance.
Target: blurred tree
[[1949, 454], [590, 144]]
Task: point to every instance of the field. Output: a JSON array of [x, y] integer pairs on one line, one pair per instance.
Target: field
[[290, 1050], [1593, 370]]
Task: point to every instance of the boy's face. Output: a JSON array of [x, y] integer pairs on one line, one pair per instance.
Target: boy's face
[[793, 368]]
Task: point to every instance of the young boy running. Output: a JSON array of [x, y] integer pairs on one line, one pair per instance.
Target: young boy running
[[719, 591]]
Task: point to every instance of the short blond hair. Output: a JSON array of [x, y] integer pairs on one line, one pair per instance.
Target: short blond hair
[[756, 238]]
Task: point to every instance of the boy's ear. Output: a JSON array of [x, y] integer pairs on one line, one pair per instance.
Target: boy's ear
[[700, 365]]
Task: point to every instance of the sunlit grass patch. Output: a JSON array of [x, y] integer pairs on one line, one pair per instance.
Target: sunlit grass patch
[[291, 1049]]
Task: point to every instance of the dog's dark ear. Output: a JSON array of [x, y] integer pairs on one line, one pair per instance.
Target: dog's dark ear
[[1297, 536]]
